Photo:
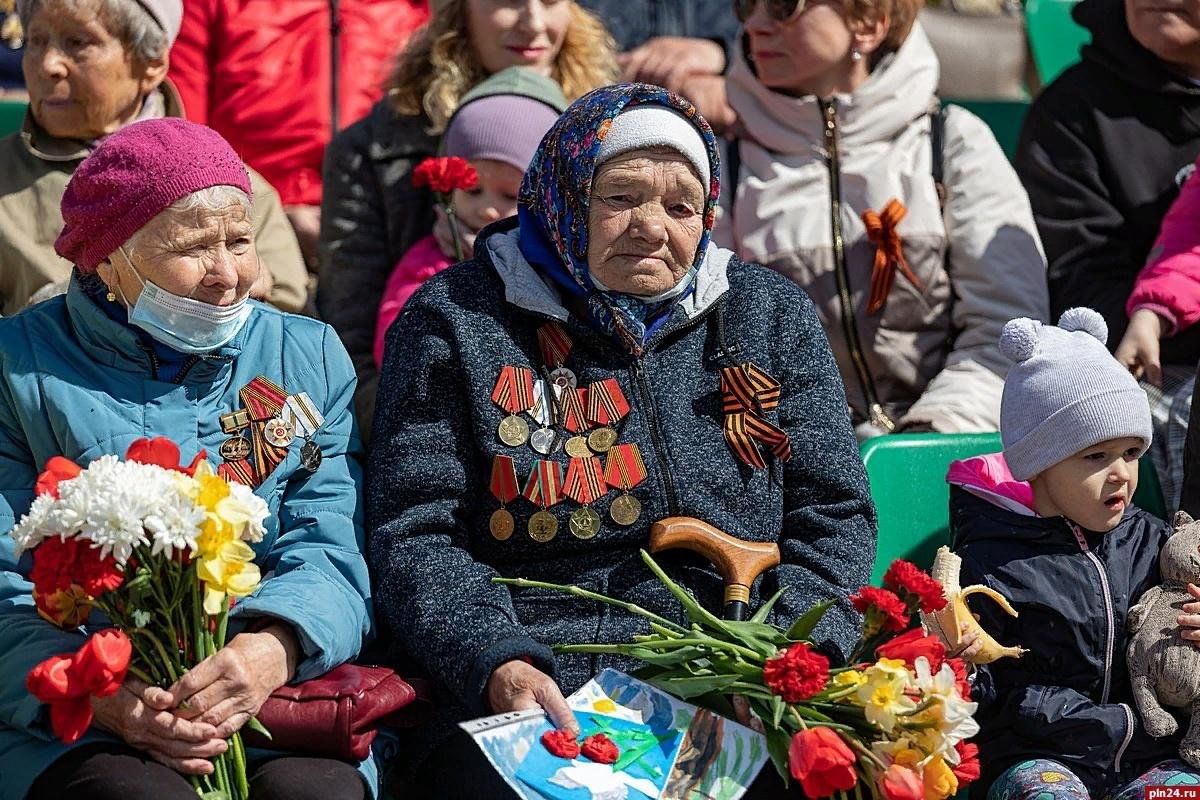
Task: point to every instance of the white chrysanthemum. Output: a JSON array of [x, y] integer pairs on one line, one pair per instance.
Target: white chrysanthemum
[[34, 527], [245, 511]]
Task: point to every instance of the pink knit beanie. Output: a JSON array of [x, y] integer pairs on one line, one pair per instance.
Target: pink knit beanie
[[134, 175]]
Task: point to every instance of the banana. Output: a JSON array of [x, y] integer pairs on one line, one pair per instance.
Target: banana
[[948, 623]]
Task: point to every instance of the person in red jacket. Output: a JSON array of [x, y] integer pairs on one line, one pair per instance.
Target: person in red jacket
[[262, 73]]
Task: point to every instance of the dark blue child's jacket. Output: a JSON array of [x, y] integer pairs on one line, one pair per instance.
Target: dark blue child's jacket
[[1069, 697]]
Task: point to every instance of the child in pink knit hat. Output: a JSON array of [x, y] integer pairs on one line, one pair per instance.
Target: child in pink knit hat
[[497, 129]]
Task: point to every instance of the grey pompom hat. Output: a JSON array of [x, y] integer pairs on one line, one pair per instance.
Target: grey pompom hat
[[1065, 392]]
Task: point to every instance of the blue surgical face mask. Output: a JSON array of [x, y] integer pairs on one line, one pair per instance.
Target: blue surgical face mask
[[182, 323]]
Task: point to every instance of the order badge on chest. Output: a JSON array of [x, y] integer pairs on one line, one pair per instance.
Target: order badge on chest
[[262, 431]]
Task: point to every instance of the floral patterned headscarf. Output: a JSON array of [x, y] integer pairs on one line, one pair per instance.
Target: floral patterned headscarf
[[556, 196]]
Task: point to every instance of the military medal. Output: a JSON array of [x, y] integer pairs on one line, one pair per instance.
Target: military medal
[[606, 406], [504, 489], [264, 400], [625, 469], [279, 432], [564, 378], [544, 441], [577, 447], [514, 393], [584, 484], [235, 448], [746, 394], [543, 489], [306, 419]]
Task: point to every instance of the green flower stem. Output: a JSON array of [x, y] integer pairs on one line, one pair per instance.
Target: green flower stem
[[452, 218], [222, 626], [239, 765], [799, 719], [170, 664], [522, 583], [219, 774], [142, 676], [665, 644], [695, 611], [866, 753]]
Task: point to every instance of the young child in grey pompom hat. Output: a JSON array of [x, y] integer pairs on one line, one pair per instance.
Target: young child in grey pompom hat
[[1050, 526]]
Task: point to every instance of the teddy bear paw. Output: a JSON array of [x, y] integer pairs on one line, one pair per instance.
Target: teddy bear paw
[[1159, 724]]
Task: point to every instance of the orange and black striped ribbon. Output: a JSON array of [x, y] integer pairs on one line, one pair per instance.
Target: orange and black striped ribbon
[[554, 343], [514, 389], [624, 467], [264, 400], [572, 402], [504, 479], [585, 480], [544, 487], [747, 392], [606, 403], [883, 231], [241, 471]]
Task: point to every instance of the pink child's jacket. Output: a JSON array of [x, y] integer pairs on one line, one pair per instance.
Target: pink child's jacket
[[422, 261], [1169, 284]]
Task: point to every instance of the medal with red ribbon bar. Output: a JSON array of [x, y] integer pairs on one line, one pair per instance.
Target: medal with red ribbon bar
[[556, 345], [606, 406], [543, 489], [573, 403], [264, 399], [746, 393], [504, 488], [585, 484], [513, 392], [625, 469]]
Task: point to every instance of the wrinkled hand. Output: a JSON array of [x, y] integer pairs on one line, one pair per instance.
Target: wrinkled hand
[[516, 686], [138, 715], [1139, 348], [306, 222], [1190, 618], [445, 239], [261, 288], [669, 60], [226, 689], [707, 93]]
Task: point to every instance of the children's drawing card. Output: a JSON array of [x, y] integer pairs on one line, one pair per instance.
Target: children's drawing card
[[667, 749]]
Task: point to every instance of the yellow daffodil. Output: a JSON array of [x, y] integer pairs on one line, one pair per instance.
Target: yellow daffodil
[[882, 694], [230, 571], [850, 679], [939, 780]]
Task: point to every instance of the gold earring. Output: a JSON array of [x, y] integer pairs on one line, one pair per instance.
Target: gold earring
[[110, 297]]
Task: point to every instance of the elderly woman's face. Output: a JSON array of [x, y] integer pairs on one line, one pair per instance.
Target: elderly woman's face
[[645, 221], [205, 254], [82, 82], [517, 33], [1170, 30]]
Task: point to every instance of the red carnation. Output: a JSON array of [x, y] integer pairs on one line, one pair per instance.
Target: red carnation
[[911, 645], [821, 761], [967, 770], [901, 783], [444, 175], [797, 673], [960, 677], [53, 567], [97, 575], [882, 608], [916, 588], [561, 743], [600, 748], [58, 469]]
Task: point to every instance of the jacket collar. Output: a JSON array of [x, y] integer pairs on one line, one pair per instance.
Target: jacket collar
[[163, 102], [526, 289], [116, 345], [899, 91]]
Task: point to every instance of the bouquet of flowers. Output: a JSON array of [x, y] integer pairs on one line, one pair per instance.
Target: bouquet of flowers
[[162, 550], [443, 175], [892, 724]]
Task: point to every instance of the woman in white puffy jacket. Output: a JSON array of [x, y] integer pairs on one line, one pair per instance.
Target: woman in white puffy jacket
[[906, 224]]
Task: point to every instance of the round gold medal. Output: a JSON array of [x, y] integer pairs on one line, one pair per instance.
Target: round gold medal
[[235, 448], [585, 523], [601, 440], [543, 526], [501, 524], [577, 447], [625, 510], [513, 431]]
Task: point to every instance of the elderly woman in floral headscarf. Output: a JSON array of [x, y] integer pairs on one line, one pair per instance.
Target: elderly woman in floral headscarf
[[546, 402]]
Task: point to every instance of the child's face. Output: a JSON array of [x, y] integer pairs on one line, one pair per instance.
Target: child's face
[[495, 197], [1091, 488]]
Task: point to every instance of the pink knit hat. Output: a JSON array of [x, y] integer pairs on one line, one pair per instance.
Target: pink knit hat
[[134, 175]]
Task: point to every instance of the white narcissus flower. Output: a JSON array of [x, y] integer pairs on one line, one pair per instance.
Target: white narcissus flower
[[883, 695], [951, 713], [244, 511]]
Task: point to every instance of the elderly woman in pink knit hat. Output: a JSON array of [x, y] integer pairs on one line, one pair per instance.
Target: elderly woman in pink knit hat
[[157, 336]]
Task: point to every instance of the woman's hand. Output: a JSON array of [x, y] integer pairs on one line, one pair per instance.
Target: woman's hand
[[138, 715], [1190, 618], [228, 688], [1139, 347], [516, 686], [669, 60]]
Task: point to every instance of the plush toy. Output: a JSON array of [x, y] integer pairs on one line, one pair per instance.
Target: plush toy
[[1165, 668]]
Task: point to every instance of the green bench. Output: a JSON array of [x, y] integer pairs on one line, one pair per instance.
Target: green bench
[[12, 116], [1054, 37], [907, 473]]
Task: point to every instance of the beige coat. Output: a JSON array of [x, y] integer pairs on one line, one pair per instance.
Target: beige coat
[[34, 170], [930, 356]]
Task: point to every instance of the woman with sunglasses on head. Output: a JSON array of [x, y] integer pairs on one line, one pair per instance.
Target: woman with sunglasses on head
[[905, 223]]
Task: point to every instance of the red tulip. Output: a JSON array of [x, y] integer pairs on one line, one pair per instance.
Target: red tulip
[[901, 783], [822, 762], [58, 469], [910, 646]]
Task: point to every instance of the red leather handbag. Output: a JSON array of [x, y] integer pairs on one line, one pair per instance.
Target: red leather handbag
[[338, 714]]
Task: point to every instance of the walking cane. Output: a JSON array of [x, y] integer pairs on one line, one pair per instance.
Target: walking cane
[[738, 561]]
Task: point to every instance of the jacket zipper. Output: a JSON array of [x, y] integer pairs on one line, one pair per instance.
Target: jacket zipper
[[1129, 723], [656, 437], [1110, 632], [875, 409]]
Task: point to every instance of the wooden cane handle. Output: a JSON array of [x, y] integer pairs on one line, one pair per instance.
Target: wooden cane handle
[[738, 561]]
